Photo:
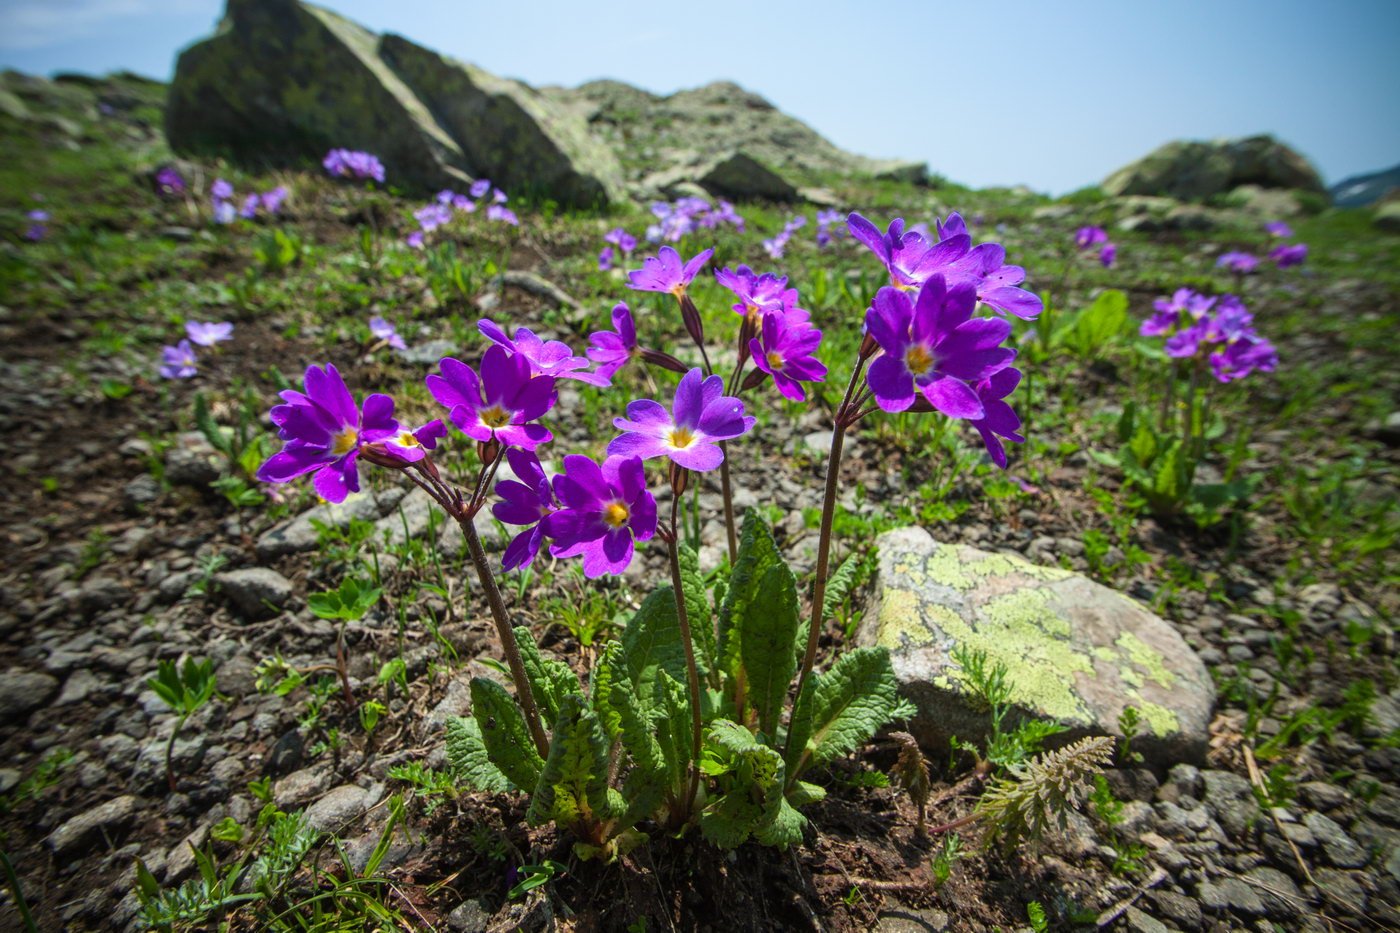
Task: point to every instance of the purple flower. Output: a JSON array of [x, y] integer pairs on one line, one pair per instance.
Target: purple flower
[[605, 259], [997, 284], [249, 210], [1086, 237], [432, 216], [224, 212], [412, 446], [324, 431], [933, 345], [498, 196], [1000, 420], [910, 258], [700, 416], [381, 329], [210, 333], [445, 197], [347, 163], [666, 273], [1242, 357], [272, 200], [1237, 262], [620, 238], [503, 214], [168, 182], [414, 240], [603, 511], [1187, 341], [500, 404], [613, 349], [463, 203], [178, 362], [37, 225], [525, 500], [1278, 228], [756, 293], [1108, 254], [220, 190], [552, 358], [1289, 254], [786, 352], [479, 188]]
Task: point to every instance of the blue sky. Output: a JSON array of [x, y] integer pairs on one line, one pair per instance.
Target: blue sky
[[1050, 94]]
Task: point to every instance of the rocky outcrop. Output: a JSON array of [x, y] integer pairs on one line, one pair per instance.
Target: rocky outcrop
[[682, 138], [1076, 652], [1363, 190], [283, 81], [1194, 170]]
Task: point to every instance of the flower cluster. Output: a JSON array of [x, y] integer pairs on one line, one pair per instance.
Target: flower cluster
[[1216, 329], [1240, 263], [221, 197], [169, 183], [619, 242], [38, 225], [1088, 237], [348, 163], [777, 245], [913, 258], [829, 227], [385, 333], [685, 216], [180, 360], [448, 203], [1285, 255], [780, 336]]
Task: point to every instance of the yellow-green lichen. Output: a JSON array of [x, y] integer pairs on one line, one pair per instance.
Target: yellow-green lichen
[[902, 620], [1159, 719], [1144, 656]]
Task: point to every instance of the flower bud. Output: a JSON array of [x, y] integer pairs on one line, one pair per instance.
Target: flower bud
[[488, 451], [753, 380], [868, 346], [662, 359], [680, 478], [690, 316]]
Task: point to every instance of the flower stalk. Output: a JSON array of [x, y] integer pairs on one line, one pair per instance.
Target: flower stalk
[[679, 477]]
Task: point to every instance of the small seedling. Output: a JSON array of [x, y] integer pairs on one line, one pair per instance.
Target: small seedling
[[184, 690]]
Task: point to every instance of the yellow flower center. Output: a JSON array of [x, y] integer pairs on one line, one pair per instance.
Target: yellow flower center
[[615, 514], [343, 441], [775, 360], [494, 417], [406, 439], [680, 438], [678, 290], [918, 359]]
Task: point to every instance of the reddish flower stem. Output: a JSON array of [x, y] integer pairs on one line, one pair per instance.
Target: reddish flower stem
[[692, 673]]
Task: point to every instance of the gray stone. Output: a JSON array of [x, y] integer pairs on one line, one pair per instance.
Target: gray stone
[[99, 593], [1192, 170], [1339, 848], [469, 917], [85, 828], [1230, 894], [23, 691], [341, 805], [1183, 780], [427, 354], [1140, 922], [300, 786], [1280, 895], [80, 685], [734, 175], [256, 591], [1181, 910], [284, 81], [189, 467], [1342, 888], [1322, 795], [1076, 652], [300, 534], [1387, 217], [1230, 799], [140, 492]]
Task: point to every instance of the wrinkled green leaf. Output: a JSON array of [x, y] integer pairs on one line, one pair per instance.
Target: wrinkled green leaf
[[504, 733], [767, 644], [466, 753], [550, 680], [841, 709], [573, 786]]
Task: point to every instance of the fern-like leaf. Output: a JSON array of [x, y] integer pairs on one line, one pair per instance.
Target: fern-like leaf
[[1041, 791]]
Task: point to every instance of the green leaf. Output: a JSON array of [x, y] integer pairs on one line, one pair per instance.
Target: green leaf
[[751, 786], [573, 787], [504, 733], [838, 586], [1166, 475], [651, 642], [801, 794], [783, 828], [758, 553], [1098, 324], [697, 608], [841, 709], [210, 428], [550, 680], [466, 753], [1143, 445], [767, 644]]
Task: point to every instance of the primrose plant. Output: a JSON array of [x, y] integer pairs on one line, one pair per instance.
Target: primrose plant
[[690, 718]]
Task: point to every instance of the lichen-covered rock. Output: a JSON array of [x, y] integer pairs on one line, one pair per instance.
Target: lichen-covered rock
[[1193, 170], [284, 81], [1077, 652], [734, 175]]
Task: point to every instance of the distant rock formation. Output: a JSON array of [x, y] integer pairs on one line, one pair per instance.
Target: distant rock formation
[[1364, 190], [281, 82], [1191, 170], [284, 81]]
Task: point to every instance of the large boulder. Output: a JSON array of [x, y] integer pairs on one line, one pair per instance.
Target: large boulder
[[1194, 170], [1362, 190], [1076, 652], [282, 81]]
